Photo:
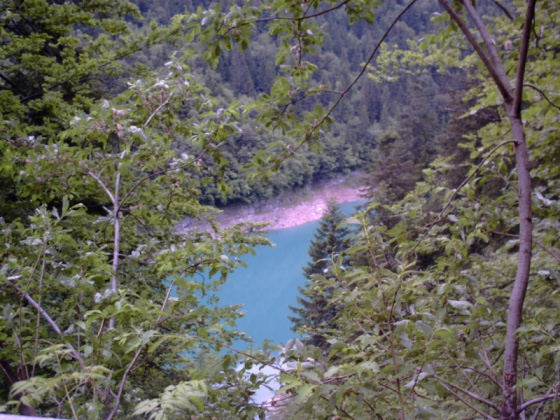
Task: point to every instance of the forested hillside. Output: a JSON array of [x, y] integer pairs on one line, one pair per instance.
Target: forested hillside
[[416, 108], [119, 119]]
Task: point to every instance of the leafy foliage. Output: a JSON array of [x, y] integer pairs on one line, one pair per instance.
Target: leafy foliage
[[424, 322], [107, 309], [109, 312]]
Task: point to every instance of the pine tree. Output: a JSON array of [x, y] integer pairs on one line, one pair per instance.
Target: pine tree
[[315, 314]]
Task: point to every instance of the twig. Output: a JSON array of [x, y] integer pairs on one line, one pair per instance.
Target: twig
[[464, 401], [338, 378], [167, 296], [523, 52], [33, 303], [506, 12], [462, 370], [500, 78], [101, 184], [118, 396], [116, 242], [541, 405], [494, 375], [456, 191], [159, 108], [292, 19], [346, 413], [543, 95], [469, 393], [36, 345], [542, 399], [538, 243], [359, 76], [75, 354]]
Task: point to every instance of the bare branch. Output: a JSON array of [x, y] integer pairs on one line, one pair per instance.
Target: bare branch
[[346, 413], [490, 366], [159, 108], [524, 50], [538, 243], [167, 296], [116, 241], [469, 393], [33, 303], [543, 95], [54, 326], [6, 79], [292, 19], [504, 9], [118, 396], [524, 259], [456, 191], [101, 184], [488, 41], [323, 12], [360, 74], [542, 399], [464, 401], [36, 345]]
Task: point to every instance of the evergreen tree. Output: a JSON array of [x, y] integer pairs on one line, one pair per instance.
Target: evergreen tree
[[315, 314]]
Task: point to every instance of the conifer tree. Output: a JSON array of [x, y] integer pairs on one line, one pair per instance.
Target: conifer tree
[[315, 314]]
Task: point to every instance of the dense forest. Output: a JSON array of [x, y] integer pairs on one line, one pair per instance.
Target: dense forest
[[121, 118]]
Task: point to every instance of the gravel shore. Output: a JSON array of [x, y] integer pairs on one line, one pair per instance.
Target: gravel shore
[[296, 208]]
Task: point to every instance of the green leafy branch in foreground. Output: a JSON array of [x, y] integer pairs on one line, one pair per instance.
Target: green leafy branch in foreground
[[470, 273], [104, 301]]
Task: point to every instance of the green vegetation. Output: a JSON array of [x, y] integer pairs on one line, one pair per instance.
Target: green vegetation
[[441, 304], [102, 312]]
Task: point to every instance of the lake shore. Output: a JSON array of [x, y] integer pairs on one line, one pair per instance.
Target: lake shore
[[293, 208]]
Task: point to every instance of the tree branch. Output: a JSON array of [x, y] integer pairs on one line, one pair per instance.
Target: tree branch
[[159, 108], [543, 95], [542, 399], [469, 393], [116, 242], [359, 76], [118, 396], [456, 191], [101, 184], [464, 401], [538, 243], [292, 19], [524, 259], [503, 8], [476, 46], [523, 52], [7, 80], [33, 303], [497, 67]]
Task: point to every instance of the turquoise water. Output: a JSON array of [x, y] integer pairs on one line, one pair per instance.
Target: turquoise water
[[269, 284]]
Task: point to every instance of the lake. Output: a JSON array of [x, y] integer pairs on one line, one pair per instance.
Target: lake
[[269, 284]]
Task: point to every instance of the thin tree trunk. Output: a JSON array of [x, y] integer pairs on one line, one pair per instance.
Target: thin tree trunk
[[515, 309], [117, 242], [512, 99], [517, 297]]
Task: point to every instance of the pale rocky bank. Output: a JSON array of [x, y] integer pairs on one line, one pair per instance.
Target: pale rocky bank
[[291, 208]]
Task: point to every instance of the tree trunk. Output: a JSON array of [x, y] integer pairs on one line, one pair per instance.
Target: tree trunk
[[512, 99]]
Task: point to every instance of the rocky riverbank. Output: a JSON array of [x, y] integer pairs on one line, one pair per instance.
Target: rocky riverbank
[[294, 208]]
